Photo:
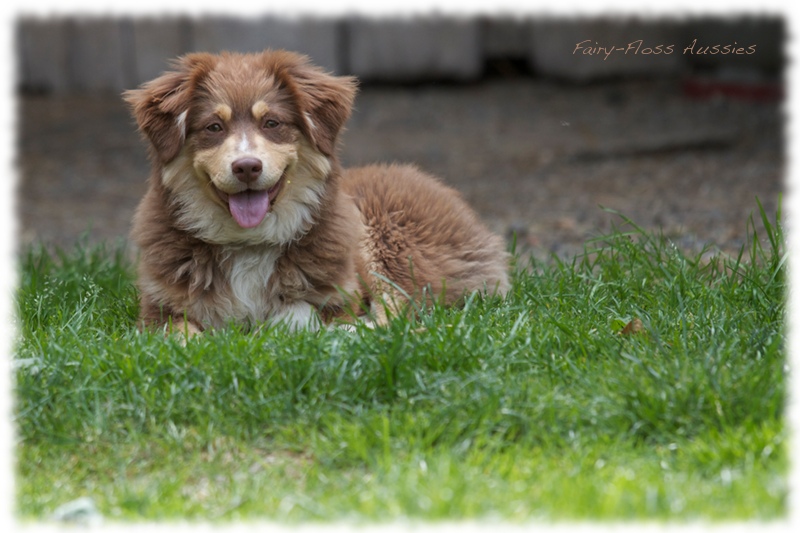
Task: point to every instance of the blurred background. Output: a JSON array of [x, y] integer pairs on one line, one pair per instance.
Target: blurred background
[[531, 119]]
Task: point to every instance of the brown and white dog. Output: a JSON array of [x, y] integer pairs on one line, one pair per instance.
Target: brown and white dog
[[249, 218]]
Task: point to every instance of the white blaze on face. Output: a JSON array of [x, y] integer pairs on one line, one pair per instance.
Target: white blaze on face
[[244, 144]]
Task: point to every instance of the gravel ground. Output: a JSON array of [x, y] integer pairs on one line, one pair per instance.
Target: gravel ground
[[533, 157]]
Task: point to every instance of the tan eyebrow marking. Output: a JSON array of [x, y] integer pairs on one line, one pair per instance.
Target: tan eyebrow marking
[[224, 111], [260, 109]]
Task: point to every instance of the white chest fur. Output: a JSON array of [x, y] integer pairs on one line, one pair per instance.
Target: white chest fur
[[249, 272], [238, 292], [248, 300]]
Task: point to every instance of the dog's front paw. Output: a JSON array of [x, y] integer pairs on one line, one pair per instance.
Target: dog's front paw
[[351, 327], [184, 329], [297, 316]]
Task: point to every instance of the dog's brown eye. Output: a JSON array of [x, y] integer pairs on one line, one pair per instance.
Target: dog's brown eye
[[271, 124], [216, 127]]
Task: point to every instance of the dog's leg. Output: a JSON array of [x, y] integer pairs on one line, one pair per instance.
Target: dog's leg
[[298, 315], [185, 329], [390, 304]]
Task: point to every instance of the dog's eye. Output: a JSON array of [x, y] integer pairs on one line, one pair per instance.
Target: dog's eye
[[215, 127], [269, 124]]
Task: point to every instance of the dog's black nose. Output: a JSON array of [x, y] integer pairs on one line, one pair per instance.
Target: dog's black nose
[[247, 169]]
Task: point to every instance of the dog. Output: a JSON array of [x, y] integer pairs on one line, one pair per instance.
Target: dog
[[249, 218]]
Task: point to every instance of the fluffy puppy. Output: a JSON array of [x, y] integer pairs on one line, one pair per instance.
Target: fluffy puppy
[[249, 218]]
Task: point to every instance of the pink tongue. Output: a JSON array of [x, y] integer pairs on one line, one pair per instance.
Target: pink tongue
[[249, 208]]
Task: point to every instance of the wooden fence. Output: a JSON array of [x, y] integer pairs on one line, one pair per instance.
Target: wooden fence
[[95, 53]]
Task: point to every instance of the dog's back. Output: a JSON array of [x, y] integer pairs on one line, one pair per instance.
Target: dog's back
[[422, 234]]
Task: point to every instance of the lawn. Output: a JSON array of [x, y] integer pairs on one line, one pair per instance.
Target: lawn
[[633, 382]]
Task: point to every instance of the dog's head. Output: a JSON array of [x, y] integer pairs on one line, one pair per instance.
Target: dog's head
[[244, 141]]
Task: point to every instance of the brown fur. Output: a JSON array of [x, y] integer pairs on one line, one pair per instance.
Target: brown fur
[[329, 241]]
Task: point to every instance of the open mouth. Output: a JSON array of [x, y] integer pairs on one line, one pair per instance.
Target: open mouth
[[249, 207]]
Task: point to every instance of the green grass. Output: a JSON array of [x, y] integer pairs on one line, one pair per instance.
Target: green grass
[[535, 407]]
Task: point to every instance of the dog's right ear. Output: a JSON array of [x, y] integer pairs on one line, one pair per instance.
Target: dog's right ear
[[160, 106]]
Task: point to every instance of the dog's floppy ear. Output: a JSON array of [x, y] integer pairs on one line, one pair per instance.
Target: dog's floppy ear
[[325, 102], [160, 106]]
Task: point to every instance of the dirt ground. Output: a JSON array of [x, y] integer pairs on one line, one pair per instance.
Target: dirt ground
[[533, 157]]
